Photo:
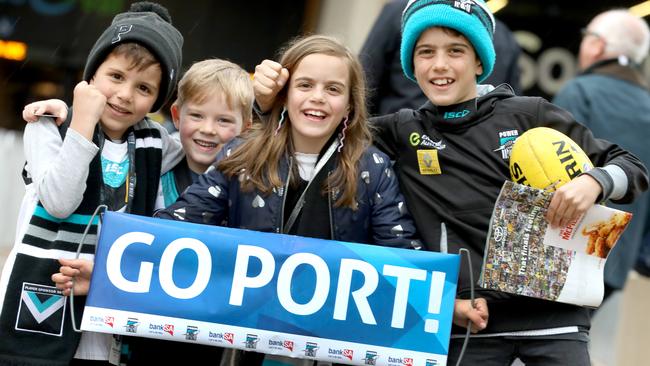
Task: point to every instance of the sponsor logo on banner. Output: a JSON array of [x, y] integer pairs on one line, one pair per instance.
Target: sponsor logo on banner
[[371, 358], [348, 353], [276, 343], [431, 363], [340, 353], [169, 328], [221, 337], [251, 341], [41, 310], [288, 345], [311, 348], [229, 337], [102, 320], [191, 333], [132, 325], [280, 344], [161, 329], [400, 361], [109, 320]]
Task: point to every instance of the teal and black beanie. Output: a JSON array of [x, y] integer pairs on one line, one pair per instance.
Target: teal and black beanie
[[471, 18], [150, 25]]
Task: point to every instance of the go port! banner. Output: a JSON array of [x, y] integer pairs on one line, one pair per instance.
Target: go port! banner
[[278, 294]]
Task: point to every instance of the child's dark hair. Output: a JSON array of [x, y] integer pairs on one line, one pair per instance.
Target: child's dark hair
[[139, 56]]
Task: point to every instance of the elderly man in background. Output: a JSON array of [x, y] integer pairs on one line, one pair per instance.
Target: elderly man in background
[[611, 97]]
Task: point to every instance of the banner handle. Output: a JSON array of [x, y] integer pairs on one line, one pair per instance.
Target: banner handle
[[471, 296], [443, 249], [81, 242]]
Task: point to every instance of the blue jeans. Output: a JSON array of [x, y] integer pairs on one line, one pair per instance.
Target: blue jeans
[[502, 351]]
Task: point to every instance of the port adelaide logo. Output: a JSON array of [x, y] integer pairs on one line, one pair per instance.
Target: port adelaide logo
[[132, 325], [191, 333], [311, 348], [41, 309], [251, 341], [506, 141], [371, 358]]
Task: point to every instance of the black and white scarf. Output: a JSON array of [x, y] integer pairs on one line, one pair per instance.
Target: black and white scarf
[[35, 326]]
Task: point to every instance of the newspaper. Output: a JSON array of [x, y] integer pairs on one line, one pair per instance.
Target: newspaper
[[525, 256]]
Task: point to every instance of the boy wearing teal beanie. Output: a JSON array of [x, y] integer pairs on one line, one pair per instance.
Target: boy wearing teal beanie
[[452, 156], [475, 23]]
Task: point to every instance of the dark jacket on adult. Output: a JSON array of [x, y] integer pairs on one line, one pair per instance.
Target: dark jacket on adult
[[468, 157], [613, 101]]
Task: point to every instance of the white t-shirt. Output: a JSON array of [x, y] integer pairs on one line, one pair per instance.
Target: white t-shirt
[[306, 165]]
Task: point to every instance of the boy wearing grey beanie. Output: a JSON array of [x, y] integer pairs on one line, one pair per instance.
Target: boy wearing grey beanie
[[147, 24], [106, 153]]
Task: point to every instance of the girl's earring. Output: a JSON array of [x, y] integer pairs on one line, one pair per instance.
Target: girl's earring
[[281, 121], [342, 135]]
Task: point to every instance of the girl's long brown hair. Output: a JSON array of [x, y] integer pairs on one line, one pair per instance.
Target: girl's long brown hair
[[257, 159]]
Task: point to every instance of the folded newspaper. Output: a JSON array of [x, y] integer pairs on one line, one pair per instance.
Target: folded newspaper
[[525, 256]]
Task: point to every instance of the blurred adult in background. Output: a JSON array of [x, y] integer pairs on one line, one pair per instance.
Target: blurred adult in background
[[611, 97], [391, 91]]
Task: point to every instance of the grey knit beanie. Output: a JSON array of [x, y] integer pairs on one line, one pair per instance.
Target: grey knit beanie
[[150, 25]]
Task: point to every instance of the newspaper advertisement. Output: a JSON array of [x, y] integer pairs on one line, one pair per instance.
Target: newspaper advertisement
[[524, 255]]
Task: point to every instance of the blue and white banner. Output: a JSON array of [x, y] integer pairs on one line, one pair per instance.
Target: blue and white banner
[[280, 294]]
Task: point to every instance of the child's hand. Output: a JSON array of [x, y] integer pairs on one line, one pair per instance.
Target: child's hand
[[87, 108], [572, 200], [477, 314], [268, 80], [80, 270], [52, 107]]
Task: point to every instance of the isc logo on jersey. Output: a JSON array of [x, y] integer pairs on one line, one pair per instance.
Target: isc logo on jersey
[[544, 158]]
